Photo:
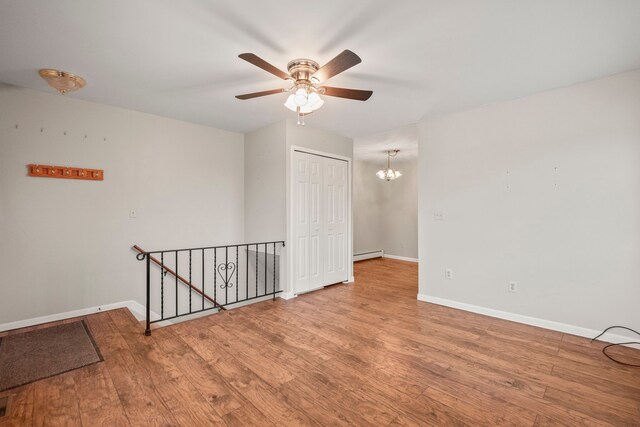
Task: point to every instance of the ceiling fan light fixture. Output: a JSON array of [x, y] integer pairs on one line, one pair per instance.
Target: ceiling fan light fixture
[[291, 104], [306, 109], [301, 97], [317, 105], [312, 103], [304, 77], [313, 99]]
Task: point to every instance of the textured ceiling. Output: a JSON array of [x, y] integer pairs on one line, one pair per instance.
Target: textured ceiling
[[374, 148], [422, 57]]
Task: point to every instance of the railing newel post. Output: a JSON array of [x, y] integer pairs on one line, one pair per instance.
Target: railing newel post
[[176, 282], [215, 274], [190, 281], [162, 275], [237, 274], [246, 274], [203, 281], [147, 331], [274, 271]]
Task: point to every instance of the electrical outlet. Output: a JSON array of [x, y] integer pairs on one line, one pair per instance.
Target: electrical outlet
[[133, 213], [448, 273], [513, 287], [438, 215]]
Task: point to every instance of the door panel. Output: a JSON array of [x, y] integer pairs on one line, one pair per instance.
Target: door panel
[[316, 226], [301, 223], [335, 185], [302, 261]]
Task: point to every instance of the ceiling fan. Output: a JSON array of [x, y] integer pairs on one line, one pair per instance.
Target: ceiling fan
[[306, 78]]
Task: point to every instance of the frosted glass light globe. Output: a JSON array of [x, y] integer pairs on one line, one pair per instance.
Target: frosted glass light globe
[[300, 97], [290, 104]]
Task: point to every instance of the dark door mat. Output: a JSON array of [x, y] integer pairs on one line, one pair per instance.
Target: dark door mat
[[42, 353], [4, 405]]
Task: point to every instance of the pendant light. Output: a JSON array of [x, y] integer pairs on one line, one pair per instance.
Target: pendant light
[[388, 173]]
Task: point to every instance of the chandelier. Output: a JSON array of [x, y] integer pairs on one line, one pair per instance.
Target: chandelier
[[389, 173]]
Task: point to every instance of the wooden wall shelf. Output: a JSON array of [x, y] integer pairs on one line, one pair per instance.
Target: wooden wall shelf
[[64, 172]]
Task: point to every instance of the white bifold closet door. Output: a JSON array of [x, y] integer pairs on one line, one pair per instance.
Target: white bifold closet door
[[320, 199]]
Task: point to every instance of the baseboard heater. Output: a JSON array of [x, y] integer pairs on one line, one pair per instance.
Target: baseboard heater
[[368, 255]]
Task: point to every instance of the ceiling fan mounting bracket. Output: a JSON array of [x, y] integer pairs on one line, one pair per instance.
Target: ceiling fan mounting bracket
[[302, 69]]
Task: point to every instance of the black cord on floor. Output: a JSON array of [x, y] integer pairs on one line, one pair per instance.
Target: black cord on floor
[[604, 349]]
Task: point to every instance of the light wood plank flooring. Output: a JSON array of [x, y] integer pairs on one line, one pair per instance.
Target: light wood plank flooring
[[363, 354]]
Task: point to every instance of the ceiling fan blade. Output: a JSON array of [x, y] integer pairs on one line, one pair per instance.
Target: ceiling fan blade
[[261, 63], [258, 94], [340, 63], [358, 95]]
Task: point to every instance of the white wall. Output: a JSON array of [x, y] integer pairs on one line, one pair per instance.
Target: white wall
[[265, 184], [399, 208], [65, 244], [544, 191], [266, 164], [386, 212], [317, 139], [367, 222]]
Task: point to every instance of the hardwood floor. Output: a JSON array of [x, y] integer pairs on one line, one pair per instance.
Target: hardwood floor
[[364, 354]]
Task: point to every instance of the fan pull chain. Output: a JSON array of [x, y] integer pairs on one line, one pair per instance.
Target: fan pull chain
[[299, 116]]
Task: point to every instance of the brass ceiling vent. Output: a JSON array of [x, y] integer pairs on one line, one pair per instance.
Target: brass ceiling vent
[[62, 81]]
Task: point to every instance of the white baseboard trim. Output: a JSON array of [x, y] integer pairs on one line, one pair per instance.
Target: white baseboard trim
[[135, 307], [401, 258], [519, 318], [368, 255], [138, 310], [287, 295], [251, 301]]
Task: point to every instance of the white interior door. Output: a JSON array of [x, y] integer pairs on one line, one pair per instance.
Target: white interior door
[[316, 225], [335, 209], [320, 209], [300, 190]]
